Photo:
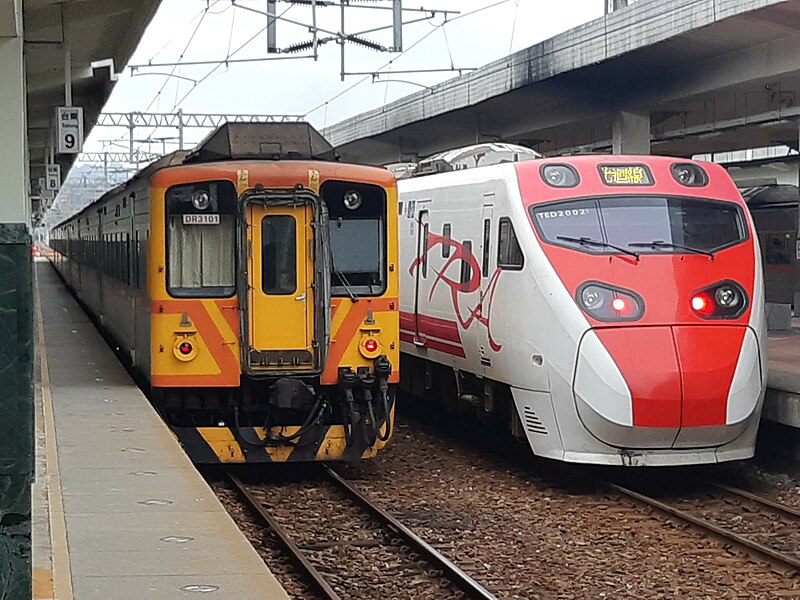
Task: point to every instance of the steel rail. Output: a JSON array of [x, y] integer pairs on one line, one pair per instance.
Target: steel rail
[[322, 585], [772, 556], [777, 506], [466, 583]]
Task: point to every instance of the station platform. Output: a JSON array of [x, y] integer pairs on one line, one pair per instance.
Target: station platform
[[782, 403], [119, 510]]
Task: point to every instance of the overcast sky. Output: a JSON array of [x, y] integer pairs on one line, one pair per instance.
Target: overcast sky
[[197, 30]]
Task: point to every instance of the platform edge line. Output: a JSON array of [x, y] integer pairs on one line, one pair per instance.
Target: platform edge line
[[62, 572]]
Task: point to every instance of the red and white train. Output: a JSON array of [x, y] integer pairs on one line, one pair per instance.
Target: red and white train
[[609, 309]]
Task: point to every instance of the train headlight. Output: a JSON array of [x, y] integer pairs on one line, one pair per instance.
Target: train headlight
[[201, 199], [559, 176], [592, 298], [727, 297], [689, 174], [352, 200], [609, 303], [723, 300]]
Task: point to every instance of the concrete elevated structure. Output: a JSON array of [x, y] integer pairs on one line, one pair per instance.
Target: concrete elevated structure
[[681, 76], [120, 511]]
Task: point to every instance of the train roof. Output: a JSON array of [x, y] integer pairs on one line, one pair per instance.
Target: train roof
[[236, 141], [262, 141]]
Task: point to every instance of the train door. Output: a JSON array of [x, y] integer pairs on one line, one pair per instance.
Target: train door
[[280, 273], [421, 273], [485, 256]]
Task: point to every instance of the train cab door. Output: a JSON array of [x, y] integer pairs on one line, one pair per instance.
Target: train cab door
[[280, 288], [486, 255], [421, 273]]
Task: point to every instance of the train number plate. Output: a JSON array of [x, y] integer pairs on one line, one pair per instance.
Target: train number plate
[[209, 219]]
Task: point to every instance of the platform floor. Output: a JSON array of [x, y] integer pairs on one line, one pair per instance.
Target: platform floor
[[119, 511], [782, 403]]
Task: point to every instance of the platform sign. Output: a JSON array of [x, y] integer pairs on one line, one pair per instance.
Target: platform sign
[[69, 129], [52, 180]]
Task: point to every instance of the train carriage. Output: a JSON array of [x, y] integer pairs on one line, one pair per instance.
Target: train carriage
[[606, 309], [253, 284]]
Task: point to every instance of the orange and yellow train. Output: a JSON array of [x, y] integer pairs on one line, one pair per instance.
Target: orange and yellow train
[[253, 283]]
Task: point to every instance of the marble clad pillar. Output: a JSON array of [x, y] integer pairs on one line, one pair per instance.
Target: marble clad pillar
[[16, 318]]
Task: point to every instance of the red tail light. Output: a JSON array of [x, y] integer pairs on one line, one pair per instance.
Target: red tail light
[[185, 348], [723, 300]]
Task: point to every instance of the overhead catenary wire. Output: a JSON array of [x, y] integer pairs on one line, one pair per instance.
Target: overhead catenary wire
[[185, 49], [171, 40], [403, 53], [513, 27], [229, 56]]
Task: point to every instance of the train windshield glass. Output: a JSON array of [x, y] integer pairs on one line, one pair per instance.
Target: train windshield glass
[[201, 228], [358, 237], [673, 224]]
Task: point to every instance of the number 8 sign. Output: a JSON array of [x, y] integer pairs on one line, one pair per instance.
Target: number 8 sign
[[69, 125]]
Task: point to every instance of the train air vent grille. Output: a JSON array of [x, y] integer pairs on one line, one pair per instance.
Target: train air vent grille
[[533, 422]]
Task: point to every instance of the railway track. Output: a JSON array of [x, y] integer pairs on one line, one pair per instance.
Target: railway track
[[761, 527], [331, 578]]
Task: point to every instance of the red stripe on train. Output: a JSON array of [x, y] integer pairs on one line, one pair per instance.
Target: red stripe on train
[[440, 328], [433, 344]]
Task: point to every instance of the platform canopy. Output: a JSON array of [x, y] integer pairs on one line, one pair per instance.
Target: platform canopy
[[93, 31]]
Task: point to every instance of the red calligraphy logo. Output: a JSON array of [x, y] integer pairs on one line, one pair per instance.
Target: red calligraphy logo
[[460, 254]]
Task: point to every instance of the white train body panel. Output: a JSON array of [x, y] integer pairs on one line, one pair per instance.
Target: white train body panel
[[589, 390]]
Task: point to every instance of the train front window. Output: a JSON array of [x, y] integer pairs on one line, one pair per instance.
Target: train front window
[[672, 224], [357, 214], [201, 233]]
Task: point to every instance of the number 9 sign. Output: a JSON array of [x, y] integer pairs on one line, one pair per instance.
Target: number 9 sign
[[69, 124]]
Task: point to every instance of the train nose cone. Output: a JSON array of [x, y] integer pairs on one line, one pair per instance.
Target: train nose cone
[[628, 386], [722, 382], [668, 387]]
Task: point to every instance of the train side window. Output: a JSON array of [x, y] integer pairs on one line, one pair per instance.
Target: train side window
[[127, 250], [447, 232], [466, 266], [279, 255], [509, 254], [135, 265], [487, 233], [400, 208]]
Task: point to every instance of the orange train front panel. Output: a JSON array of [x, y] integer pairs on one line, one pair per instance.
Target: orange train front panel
[[197, 343]]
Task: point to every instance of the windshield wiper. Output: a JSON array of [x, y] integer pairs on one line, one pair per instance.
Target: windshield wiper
[[586, 241], [663, 244], [346, 286]]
